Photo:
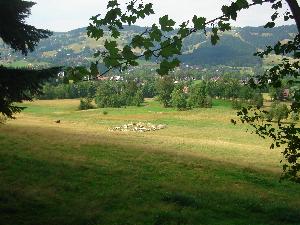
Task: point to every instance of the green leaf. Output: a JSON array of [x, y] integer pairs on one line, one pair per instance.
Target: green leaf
[[112, 4], [111, 46], [269, 25], [94, 32], [138, 41], [111, 62], [165, 66], [112, 15], [148, 54], [277, 5], [257, 1], [169, 48], [183, 30], [94, 69], [199, 22], [214, 37], [242, 4], [224, 26], [226, 10], [148, 9], [115, 32], [155, 33], [274, 16], [166, 23], [127, 53]]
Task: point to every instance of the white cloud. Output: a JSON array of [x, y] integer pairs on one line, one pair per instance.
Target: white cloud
[[63, 15]]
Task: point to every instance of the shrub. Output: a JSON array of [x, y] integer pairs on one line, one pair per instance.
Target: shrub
[[86, 103], [258, 100], [107, 95], [104, 112], [237, 104], [199, 96], [278, 111], [179, 99], [118, 94], [138, 99], [295, 116], [149, 89], [208, 102]]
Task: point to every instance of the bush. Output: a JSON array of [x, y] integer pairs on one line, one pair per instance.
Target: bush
[[237, 104], [138, 99], [149, 89], [86, 103], [199, 96], [179, 99], [104, 112], [278, 111], [258, 100], [118, 94], [295, 116], [107, 95], [208, 102]]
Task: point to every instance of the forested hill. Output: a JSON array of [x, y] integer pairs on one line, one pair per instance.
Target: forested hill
[[235, 48]]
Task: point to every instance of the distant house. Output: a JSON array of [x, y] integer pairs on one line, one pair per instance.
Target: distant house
[[215, 79], [61, 74], [99, 77], [244, 81], [117, 78]]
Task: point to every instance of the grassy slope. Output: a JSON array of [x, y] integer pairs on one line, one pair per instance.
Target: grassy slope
[[201, 170]]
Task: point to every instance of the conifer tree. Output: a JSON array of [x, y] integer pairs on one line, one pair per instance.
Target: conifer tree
[[17, 85]]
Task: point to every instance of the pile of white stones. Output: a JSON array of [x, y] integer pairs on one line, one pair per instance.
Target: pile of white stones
[[139, 127]]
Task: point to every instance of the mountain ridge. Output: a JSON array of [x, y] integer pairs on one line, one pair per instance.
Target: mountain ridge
[[235, 48]]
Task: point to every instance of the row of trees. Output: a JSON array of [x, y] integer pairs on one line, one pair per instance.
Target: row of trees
[[118, 94], [196, 98], [68, 91], [105, 93], [200, 95], [180, 95]]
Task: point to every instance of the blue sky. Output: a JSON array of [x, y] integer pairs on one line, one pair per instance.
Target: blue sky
[[65, 15]]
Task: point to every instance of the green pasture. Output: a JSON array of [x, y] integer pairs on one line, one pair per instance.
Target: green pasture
[[201, 169]]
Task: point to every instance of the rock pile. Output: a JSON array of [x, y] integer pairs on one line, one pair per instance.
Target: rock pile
[[139, 127]]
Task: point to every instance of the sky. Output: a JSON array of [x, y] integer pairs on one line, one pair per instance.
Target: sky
[[65, 15]]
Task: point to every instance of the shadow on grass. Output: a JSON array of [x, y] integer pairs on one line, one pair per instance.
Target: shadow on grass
[[36, 191]]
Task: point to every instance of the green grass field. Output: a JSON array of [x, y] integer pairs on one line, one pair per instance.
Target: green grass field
[[200, 170], [24, 64]]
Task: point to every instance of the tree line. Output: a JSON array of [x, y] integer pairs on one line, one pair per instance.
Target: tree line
[[180, 95]]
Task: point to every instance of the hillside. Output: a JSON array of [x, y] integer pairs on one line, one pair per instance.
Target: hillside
[[75, 48]]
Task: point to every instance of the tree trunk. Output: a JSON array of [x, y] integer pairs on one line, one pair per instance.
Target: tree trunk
[[294, 6]]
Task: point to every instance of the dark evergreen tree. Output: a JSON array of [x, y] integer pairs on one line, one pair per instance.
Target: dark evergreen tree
[[17, 85]]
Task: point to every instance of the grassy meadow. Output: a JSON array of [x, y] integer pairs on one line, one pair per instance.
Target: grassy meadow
[[201, 169]]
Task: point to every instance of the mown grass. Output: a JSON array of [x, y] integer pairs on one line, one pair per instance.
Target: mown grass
[[200, 170]]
